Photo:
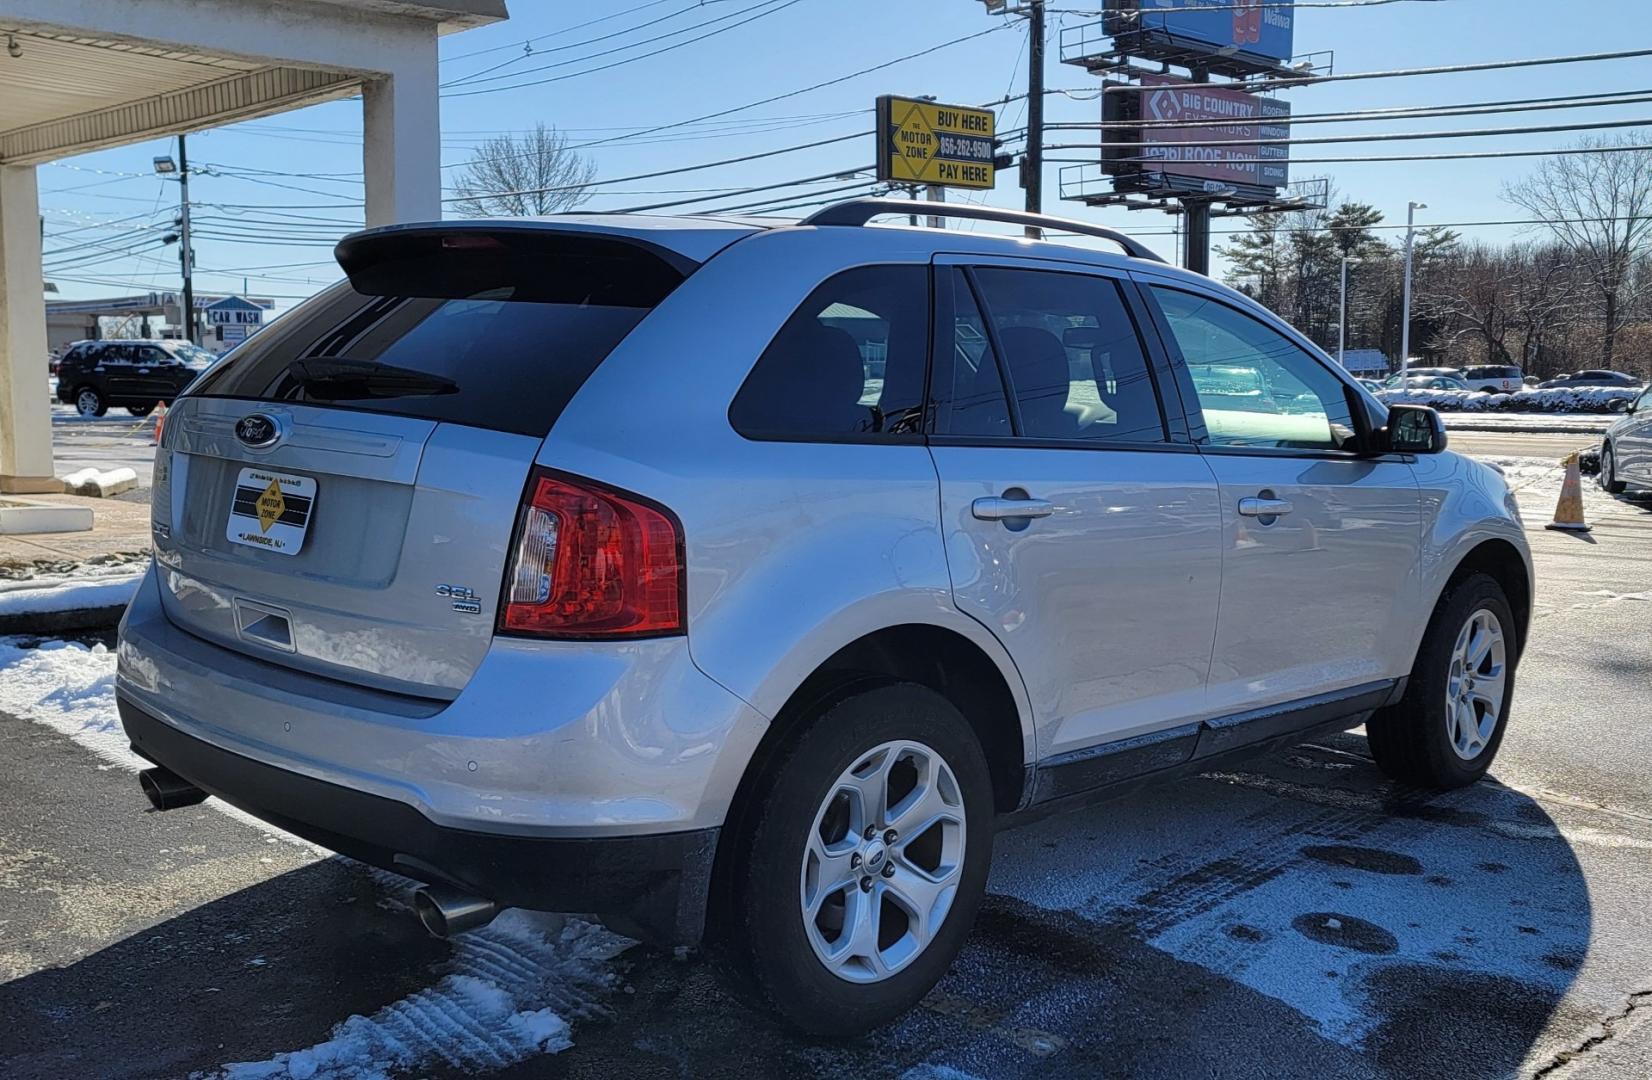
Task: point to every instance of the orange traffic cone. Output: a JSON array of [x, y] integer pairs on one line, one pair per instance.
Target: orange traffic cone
[[160, 420], [1568, 512]]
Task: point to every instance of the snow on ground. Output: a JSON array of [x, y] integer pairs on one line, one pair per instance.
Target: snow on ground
[[1571, 399], [509, 991], [1536, 484], [1585, 424], [91, 588]]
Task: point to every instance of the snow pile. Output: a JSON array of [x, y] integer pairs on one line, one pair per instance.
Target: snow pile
[[42, 595], [509, 995], [1584, 399], [69, 688]]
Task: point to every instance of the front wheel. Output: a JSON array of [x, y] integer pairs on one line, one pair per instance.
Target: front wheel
[[1609, 471], [90, 403], [1445, 731], [866, 861]]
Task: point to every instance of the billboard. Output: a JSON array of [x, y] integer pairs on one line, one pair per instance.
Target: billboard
[[1175, 145], [924, 142], [1238, 35]]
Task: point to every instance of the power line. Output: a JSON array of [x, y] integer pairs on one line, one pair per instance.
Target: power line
[[556, 33], [1271, 4], [782, 5], [475, 77], [1449, 69], [1580, 101], [1391, 136], [832, 175], [1406, 157]]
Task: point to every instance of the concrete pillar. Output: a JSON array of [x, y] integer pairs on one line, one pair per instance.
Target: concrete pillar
[[25, 408], [402, 144]]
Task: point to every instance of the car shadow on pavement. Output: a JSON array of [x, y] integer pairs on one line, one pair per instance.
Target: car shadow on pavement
[[1300, 917], [262, 970], [1297, 916]]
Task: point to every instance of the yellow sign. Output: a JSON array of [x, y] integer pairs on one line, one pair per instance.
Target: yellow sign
[[923, 142], [271, 506]]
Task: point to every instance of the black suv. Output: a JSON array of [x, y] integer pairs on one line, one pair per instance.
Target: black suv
[[94, 375]]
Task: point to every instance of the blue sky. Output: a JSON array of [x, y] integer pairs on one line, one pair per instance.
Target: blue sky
[[293, 192]]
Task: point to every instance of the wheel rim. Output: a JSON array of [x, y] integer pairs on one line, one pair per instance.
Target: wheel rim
[[1476, 684], [87, 403], [882, 861]]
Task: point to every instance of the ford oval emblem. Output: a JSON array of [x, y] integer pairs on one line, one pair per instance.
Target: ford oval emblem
[[257, 430]]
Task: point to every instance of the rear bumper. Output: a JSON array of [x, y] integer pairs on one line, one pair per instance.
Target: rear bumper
[[653, 886]]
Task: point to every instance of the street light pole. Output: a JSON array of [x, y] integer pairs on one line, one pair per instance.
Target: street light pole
[[1405, 311], [1342, 314]]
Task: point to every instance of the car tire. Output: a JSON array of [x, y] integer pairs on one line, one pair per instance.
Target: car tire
[[1428, 739], [805, 846], [1609, 471], [89, 402], [140, 410]]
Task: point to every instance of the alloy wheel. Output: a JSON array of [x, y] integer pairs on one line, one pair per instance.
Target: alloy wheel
[[87, 402], [882, 861], [1476, 684]]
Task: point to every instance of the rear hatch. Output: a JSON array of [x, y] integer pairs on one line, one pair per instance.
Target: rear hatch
[[339, 494]]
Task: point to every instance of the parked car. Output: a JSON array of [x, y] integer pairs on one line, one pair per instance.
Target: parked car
[[1495, 378], [1434, 382], [1422, 373], [1626, 448], [1592, 377], [1371, 385], [135, 375], [699, 621]]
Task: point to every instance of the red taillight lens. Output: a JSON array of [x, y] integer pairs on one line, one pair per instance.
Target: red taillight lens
[[591, 562]]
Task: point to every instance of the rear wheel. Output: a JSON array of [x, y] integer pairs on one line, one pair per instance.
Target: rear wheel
[[1445, 731], [89, 402], [864, 862], [1609, 471]]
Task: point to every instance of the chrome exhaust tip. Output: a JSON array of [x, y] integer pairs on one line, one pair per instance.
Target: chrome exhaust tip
[[167, 790], [446, 911]]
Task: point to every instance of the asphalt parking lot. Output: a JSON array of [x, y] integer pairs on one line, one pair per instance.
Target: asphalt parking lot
[[1299, 916]]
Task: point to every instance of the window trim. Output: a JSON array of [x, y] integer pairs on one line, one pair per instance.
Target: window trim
[[941, 367], [1363, 430], [926, 406]]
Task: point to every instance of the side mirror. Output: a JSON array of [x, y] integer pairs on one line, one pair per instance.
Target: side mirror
[[1412, 429]]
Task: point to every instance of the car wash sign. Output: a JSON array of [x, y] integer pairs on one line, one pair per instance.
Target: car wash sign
[[234, 311], [1175, 143], [924, 142]]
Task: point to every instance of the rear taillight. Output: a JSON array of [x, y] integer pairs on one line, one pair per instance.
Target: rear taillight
[[591, 562]]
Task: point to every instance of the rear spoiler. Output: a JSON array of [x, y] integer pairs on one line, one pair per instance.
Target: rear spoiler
[[533, 260]]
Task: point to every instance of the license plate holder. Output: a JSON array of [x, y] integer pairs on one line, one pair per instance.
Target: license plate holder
[[271, 510]]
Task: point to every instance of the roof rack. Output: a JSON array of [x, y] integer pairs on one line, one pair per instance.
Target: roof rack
[[860, 211]]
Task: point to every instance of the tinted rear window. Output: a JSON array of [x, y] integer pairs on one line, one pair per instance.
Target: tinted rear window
[[488, 330]]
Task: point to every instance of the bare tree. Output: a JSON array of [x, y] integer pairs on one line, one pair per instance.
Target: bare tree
[[1599, 206], [522, 177]]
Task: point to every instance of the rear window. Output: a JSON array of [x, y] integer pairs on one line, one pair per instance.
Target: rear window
[[1494, 373], [494, 330]]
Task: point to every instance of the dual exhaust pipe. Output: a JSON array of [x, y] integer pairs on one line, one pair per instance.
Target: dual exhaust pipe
[[443, 910]]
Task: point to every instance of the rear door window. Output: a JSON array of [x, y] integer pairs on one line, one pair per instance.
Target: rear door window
[[487, 330], [848, 364], [1075, 361]]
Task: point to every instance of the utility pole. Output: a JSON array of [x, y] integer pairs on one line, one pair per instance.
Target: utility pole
[[1197, 210], [1032, 175], [186, 256], [1405, 307]]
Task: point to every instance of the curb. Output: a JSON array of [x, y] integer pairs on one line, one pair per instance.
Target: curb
[[73, 620], [1526, 429]]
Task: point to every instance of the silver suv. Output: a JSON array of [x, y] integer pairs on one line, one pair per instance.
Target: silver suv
[[735, 581]]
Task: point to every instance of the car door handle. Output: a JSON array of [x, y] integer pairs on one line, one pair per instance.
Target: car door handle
[[996, 508], [1264, 507]]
